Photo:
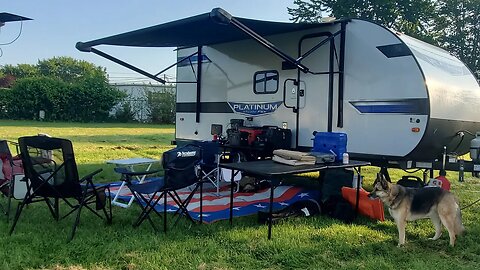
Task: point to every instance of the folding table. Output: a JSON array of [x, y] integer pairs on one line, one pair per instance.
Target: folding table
[[271, 171], [130, 163]]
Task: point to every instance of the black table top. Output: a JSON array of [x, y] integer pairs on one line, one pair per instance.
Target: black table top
[[268, 168]]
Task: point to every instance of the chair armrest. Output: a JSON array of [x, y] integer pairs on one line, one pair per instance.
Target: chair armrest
[[90, 175], [126, 171]]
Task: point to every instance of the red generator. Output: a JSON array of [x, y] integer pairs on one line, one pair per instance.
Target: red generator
[[253, 133]]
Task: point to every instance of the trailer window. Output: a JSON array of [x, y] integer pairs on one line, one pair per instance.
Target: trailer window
[[265, 82]]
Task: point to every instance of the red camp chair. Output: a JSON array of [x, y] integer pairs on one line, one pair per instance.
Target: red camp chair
[[10, 166]]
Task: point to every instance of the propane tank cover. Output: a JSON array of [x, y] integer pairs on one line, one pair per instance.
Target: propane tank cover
[[475, 148]]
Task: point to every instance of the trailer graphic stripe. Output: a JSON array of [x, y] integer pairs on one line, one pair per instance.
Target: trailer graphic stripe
[[407, 106], [395, 50], [205, 107]]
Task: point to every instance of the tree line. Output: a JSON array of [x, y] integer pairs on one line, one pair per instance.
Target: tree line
[[66, 89], [451, 24], [63, 88]]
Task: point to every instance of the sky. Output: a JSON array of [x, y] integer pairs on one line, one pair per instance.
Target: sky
[[58, 25]]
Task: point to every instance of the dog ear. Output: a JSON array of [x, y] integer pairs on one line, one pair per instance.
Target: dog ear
[[383, 181], [379, 177]]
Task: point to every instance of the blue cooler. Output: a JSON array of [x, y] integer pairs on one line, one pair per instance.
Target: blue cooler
[[330, 141]]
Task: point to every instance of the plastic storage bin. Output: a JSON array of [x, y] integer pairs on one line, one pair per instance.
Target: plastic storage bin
[[335, 142]]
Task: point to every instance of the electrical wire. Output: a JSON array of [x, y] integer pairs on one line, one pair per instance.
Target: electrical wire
[[470, 204], [15, 39], [466, 131]]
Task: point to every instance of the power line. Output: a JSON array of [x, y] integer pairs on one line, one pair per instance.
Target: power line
[[15, 39]]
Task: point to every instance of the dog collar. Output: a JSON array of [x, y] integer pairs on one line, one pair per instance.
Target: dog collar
[[394, 203]]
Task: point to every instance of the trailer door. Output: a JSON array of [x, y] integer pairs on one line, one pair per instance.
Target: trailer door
[[315, 90]]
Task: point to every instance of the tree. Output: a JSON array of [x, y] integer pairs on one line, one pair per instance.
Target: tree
[[70, 70], [458, 25], [19, 71], [451, 24], [65, 88], [413, 17], [6, 81], [161, 106]]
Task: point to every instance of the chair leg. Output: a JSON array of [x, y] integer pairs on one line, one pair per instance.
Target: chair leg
[[56, 208], [52, 208], [201, 202], [10, 195], [82, 202], [28, 197], [108, 215], [182, 205], [17, 214], [149, 207], [165, 213]]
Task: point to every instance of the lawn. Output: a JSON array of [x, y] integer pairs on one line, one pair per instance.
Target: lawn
[[310, 243]]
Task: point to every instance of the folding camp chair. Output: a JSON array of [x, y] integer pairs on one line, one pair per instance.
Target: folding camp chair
[[181, 170], [211, 157], [51, 174], [10, 166]]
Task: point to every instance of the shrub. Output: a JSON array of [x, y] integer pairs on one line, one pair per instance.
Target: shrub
[[65, 88], [87, 100], [124, 112], [4, 102], [161, 106]]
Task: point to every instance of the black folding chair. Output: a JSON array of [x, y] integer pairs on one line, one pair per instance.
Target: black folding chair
[[211, 155], [181, 170], [211, 172], [51, 174], [9, 167]]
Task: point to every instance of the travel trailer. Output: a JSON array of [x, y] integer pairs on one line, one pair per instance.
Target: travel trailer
[[401, 101]]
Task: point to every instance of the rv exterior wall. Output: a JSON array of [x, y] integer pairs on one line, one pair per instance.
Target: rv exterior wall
[[386, 104], [383, 84]]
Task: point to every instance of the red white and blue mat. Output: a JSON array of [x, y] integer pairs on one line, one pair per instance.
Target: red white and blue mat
[[216, 206]]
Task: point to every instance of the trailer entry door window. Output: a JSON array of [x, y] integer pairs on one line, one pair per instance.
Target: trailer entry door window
[[265, 82]]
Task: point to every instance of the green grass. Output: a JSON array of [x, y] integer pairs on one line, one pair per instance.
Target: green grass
[[311, 243]]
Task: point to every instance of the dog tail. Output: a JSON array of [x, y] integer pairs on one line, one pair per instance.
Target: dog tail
[[459, 228]]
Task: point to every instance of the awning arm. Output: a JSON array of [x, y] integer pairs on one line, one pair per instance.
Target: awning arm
[[178, 62], [323, 42], [221, 16], [80, 47]]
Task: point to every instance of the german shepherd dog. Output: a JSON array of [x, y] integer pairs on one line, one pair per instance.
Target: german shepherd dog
[[408, 204]]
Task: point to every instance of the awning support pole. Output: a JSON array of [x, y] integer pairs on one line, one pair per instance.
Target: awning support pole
[[222, 17], [199, 84], [320, 44], [127, 65], [178, 62], [341, 76]]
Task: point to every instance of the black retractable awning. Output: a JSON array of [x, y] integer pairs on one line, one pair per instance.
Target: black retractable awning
[[9, 17], [215, 27], [195, 31]]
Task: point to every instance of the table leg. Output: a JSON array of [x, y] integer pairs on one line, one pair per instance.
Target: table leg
[[232, 183], [140, 180], [357, 199], [114, 201], [270, 211], [122, 186]]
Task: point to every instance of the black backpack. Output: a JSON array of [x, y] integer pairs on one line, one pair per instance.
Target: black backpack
[[303, 208], [339, 208], [411, 181]]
